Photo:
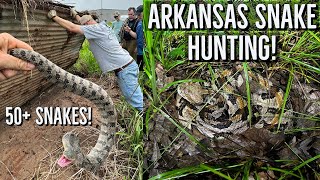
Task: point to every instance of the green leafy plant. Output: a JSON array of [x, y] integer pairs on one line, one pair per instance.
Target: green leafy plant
[[87, 63]]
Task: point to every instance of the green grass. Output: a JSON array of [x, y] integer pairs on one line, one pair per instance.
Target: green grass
[[245, 69], [196, 170], [132, 137], [86, 63], [286, 96]]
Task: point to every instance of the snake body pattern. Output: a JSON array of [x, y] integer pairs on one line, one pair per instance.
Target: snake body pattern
[[91, 91]]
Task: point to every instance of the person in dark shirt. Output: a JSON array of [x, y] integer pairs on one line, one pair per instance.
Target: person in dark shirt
[[128, 33]]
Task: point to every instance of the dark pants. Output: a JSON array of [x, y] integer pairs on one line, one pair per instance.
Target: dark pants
[[140, 62]]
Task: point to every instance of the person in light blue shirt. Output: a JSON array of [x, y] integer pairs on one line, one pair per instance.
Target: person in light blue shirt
[[117, 24], [108, 53]]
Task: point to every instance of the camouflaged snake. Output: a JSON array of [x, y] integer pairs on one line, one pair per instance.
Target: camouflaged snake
[[86, 89]]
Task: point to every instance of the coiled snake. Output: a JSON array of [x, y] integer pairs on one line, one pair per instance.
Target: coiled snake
[[89, 90]]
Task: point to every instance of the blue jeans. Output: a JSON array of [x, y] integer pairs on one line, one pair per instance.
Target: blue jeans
[[130, 88]]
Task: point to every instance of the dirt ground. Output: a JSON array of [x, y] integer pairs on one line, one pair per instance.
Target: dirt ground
[[31, 151]]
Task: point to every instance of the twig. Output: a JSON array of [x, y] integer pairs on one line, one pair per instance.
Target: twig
[[8, 170], [79, 172]]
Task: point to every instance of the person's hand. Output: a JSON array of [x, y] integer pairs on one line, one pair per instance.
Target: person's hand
[[127, 28], [9, 65], [52, 14], [73, 12]]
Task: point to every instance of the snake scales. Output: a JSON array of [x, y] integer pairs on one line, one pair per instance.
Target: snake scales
[[89, 90], [218, 106]]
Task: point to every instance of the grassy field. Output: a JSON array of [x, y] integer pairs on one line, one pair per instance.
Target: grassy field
[[299, 57]]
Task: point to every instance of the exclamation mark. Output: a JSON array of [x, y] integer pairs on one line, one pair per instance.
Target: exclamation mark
[[89, 116], [274, 47]]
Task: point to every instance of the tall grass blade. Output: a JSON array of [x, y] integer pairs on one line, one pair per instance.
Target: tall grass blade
[[214, 171], [246, 170], [285, 98], [300, 166], [202, 168], [280, 170], [149, 46], [246, 75], [178, 173]]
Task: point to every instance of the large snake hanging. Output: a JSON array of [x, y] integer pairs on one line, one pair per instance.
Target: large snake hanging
[[89, 90]]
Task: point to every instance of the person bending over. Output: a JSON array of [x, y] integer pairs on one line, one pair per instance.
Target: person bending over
[[108, 53]]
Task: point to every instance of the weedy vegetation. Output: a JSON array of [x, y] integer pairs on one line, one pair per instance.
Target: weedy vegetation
[[298, 56], [87, 64]]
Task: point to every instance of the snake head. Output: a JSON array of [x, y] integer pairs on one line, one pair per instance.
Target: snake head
[[71, 149], [64, 161]]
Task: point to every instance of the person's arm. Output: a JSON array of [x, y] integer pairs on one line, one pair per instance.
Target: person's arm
[[77, 18], [64, 23], [133, 34], [129, 30], [68, 25]]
